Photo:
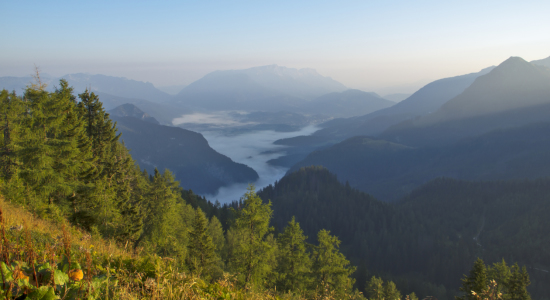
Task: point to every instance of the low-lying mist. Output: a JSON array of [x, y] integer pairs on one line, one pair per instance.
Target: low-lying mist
[[253, 149]]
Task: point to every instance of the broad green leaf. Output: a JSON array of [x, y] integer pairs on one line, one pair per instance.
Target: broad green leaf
[[60, 277], [42, 293]]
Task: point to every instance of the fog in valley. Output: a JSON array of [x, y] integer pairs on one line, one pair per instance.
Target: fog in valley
[[252, 148]]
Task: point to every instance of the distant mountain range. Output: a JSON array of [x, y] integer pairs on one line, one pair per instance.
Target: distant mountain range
[[348, 103], [266, 88], [115, 86], [112, 91], [514, 93], [426, 100], [497, 128]]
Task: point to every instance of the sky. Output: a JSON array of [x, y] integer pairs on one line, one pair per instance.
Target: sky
[[381, 46]]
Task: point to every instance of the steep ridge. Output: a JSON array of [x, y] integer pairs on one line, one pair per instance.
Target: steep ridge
[[345, 104], [426, 100], [186, 153], [508, 91]]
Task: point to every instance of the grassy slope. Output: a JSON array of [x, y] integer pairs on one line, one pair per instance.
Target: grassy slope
[[34, 246]]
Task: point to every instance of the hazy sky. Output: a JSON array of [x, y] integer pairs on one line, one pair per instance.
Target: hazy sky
[[371, 45]]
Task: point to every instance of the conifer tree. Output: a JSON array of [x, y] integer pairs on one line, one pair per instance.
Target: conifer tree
[[55, 153], [294, 262], [201, 254], [11, 110], [391, 292], [215, 230], [476, 281], [251, 256], [163, 223], [517, 284], [375, 289], [330, 267]]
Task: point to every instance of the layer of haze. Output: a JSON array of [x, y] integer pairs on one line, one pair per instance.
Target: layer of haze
[[382, 46], [253, 149]]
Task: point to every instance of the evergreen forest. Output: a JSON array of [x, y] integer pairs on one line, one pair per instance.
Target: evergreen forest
[[81, 220]]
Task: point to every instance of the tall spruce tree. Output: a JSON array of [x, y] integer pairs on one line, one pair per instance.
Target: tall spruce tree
[[55, 153], [201, 250], [517, 284], [374, 289], [293, 259], [165, 225], [476, 281], [251, 258], [11, 110], [330, 267]]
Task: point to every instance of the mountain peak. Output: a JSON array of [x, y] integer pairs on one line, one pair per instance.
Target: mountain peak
[[515, 64]]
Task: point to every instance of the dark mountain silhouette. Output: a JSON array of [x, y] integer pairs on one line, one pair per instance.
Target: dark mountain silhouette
[[130, 110], [187, 154]]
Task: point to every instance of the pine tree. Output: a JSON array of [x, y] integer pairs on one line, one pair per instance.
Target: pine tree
[[11, 110], [391, 292], [54, 149], [517, 284], [294, 262], [330, 267], [201, 255], [476, 281], [163, 224], [375, 289], [252, 252]]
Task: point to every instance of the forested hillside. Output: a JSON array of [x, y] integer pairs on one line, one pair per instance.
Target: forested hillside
[[389, 170], [425, 242], [62, 162]]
